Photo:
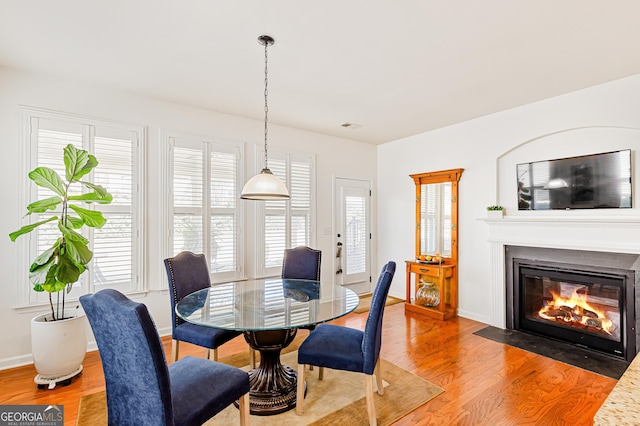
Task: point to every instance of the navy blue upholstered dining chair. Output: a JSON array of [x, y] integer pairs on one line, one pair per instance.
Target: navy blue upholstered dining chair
[[141, 388], [301, 263], [344, 348], [188, 272]]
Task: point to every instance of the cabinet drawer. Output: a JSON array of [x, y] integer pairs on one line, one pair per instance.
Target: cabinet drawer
[[432, 270]]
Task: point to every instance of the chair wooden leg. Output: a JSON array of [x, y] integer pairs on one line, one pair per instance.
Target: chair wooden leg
[[174, 350], [300, 392], [371, 408], [252, 358], [215, 354], [378, 373], [320, 373], [208, 353], [244, 409]]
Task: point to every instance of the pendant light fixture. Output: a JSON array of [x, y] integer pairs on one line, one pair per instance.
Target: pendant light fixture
[[265, 185]]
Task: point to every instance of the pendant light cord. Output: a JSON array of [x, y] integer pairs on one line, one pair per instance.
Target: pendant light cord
[[266, 106]]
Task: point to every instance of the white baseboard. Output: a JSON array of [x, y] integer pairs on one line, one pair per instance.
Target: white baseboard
[[485, 319], [22, 360]]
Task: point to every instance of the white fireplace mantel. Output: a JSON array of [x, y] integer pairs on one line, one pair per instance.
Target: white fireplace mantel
[[619, 234]]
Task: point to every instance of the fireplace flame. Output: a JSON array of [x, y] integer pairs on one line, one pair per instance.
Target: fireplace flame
[[576, 311]]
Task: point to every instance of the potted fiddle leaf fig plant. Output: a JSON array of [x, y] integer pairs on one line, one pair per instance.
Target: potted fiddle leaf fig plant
[[56, 269]]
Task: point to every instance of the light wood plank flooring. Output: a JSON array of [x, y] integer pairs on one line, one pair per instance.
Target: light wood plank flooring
[[486, 383]]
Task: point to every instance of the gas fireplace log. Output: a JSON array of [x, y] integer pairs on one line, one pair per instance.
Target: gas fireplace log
[[585, 312], [594, 322]]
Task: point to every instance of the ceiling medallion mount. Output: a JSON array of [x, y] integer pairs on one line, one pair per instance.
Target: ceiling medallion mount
[[266, 40]]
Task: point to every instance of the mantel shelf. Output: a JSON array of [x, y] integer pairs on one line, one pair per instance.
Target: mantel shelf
[[564, 220]]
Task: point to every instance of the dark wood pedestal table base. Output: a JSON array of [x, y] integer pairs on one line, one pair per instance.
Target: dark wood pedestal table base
[[273, 385], [268, 312]]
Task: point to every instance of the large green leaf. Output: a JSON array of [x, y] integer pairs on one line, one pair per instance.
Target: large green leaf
[[67, 271], [79, 252], [74, 161], [45, 257], [42, 206], [39, 274], [28, 228], [72, 235], [74, 222], [48, 178], [53, 286], [102, 197], [91, 164], [91, 218]]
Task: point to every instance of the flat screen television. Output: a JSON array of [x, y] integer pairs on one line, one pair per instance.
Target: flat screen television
[[597, 181]]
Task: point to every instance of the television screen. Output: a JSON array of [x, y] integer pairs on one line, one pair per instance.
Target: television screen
[[598, 181]]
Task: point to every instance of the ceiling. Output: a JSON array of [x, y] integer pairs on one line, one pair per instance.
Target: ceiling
[[393, 68]]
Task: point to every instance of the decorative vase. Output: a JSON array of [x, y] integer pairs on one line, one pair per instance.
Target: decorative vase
[[427, 294]]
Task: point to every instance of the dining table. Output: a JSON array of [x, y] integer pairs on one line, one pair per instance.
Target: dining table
[[268, 312]]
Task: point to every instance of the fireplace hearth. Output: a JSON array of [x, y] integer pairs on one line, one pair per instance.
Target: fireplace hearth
[[582, 298]]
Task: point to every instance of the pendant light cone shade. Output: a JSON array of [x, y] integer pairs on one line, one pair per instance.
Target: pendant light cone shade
[[265, 185]]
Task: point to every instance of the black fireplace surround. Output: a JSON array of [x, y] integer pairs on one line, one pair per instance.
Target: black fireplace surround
[[583, 298]]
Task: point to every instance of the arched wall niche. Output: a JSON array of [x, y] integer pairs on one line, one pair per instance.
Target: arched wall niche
[[560, 144]]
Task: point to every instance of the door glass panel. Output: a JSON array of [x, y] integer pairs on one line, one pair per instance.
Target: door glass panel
[[356, 239]]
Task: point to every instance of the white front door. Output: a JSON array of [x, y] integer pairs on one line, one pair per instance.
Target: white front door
[[352, 238]]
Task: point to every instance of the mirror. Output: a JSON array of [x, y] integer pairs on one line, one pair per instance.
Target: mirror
[[435, 219], [437, 213]]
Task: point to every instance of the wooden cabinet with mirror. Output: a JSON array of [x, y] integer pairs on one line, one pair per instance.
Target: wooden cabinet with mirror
[[432, 284]]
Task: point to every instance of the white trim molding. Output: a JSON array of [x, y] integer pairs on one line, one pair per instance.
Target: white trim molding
[[614, 234]]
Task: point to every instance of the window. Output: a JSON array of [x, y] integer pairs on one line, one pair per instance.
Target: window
[[204, 197], [116, 246], [289, 223]]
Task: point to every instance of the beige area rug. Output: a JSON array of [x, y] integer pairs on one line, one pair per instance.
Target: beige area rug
[[365, 303], [338, 399]]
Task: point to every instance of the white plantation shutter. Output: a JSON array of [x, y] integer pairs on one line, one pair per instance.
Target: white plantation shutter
[[113, 243], [224, 204], [188, 196], [275, 218], [205, 202], [116, 146], [300, 202], [287, 223]]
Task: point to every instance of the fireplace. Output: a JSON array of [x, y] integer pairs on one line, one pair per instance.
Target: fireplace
[[578, 297]]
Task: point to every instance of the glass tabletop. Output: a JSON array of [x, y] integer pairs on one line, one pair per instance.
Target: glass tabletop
[[266, 304]]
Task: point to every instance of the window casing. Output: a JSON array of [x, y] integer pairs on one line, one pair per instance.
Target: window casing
[[204, 209], [285, 224], [117, 247]]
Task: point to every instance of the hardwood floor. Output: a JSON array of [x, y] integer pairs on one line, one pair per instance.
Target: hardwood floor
[[485, 383]]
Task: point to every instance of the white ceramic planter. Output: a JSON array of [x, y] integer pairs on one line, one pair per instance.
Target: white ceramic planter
[[495, 214], [58, 347]]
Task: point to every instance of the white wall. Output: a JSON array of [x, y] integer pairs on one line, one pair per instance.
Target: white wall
[[334, 157], [482, 145]]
